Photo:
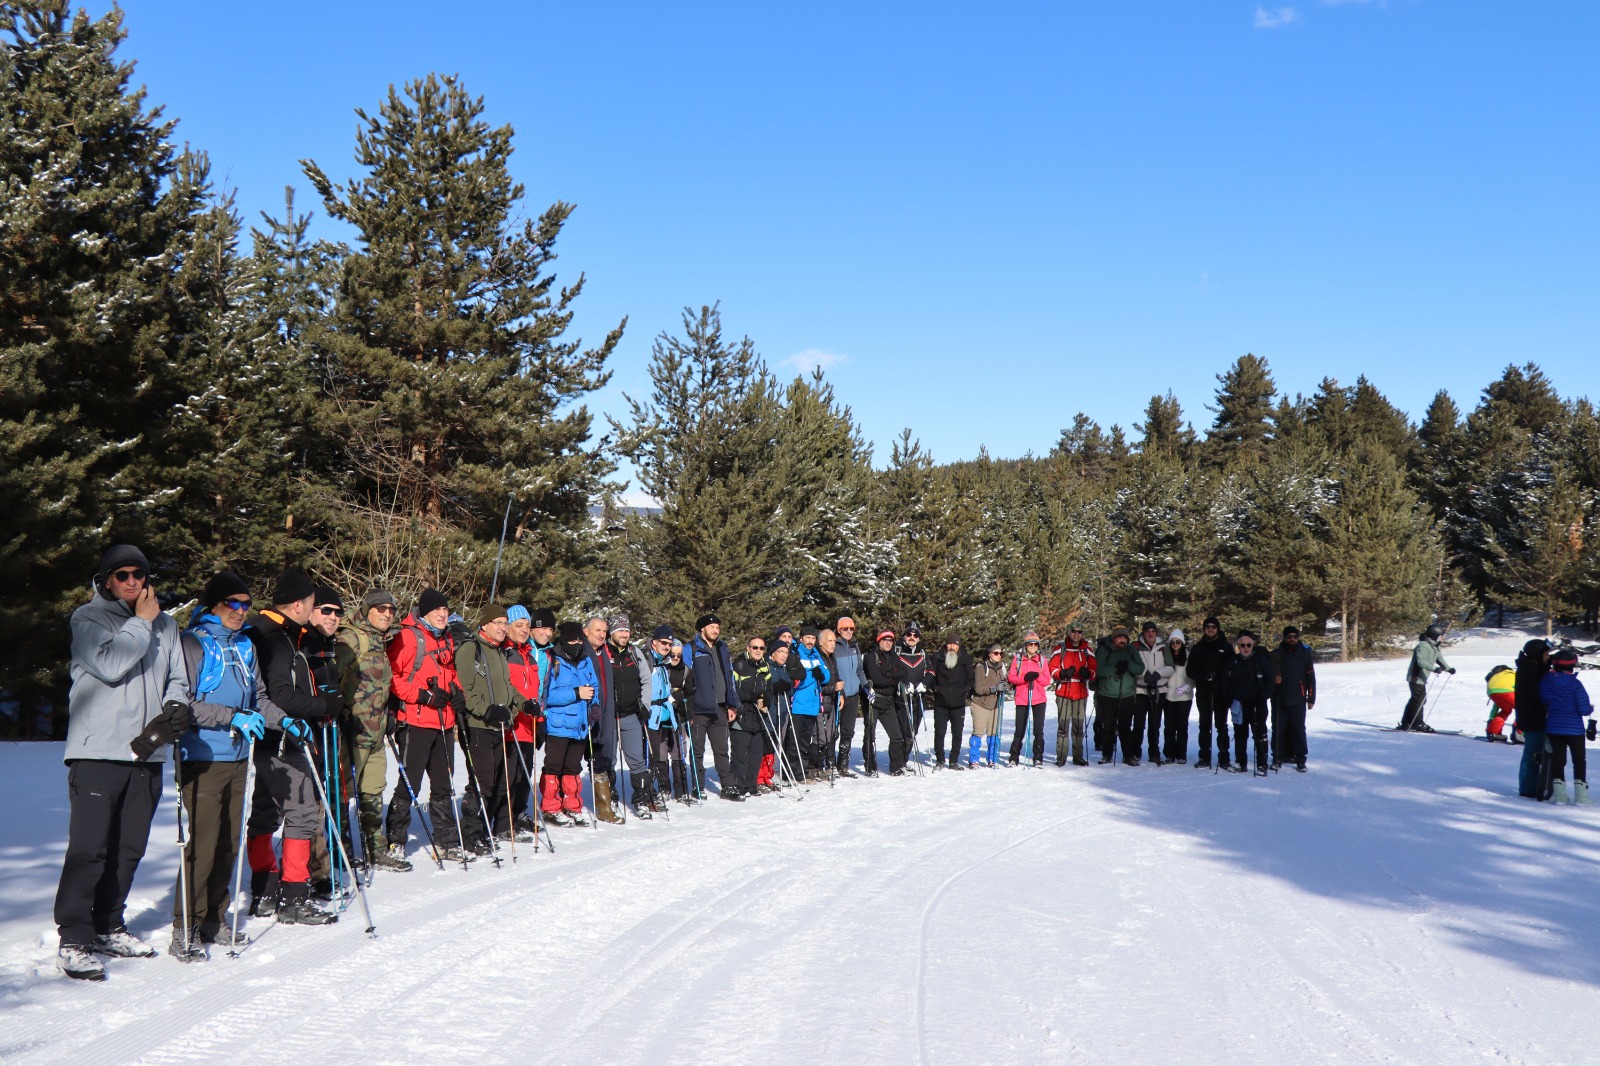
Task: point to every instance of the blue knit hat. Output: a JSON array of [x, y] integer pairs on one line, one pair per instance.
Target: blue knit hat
[[518, 613]]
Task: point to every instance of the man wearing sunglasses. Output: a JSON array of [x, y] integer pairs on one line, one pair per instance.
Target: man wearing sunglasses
[[128, 702], [362, 661], [1251, 681], [856, 693]]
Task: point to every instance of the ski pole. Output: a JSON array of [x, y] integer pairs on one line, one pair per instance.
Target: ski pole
[[477, 790], [511, 821], [238, 858], [183, 846], [427, 829], [594, 795], [1434, 702], [533, 787], [361, 893], [619, 801], [329, 825]]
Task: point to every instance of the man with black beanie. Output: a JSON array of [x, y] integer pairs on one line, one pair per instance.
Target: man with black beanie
[[1210, 660], [284, 792], [129, 701]]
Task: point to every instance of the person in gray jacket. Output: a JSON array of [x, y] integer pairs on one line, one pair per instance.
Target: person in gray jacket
[[854, 696], [129, 700]]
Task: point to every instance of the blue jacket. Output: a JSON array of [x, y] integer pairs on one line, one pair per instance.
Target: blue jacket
[[225, 678], [852, 667], [565, 715], [807, 692], [1566, 704], [660, 696], [703, 661]]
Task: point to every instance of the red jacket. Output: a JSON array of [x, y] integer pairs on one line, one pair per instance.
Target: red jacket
[[419, 658], [525, 679], [1078, 658]]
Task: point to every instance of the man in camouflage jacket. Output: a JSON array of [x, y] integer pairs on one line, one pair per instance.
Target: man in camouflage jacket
[[363, 669]]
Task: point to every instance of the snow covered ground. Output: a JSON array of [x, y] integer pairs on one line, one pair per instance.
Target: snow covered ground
[[1396, 904]]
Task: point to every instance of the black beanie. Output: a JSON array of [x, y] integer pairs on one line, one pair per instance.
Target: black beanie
[[544, 618], [293, 586], [225, 586], [430, 600], [120, 555], [326, 595]]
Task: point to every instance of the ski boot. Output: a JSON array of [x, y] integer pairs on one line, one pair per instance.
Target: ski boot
[[186, 948], [1558, 791], [1581, 793], [392, 857], [297, 908], [1203, 763], [79, 963], [123, 945]]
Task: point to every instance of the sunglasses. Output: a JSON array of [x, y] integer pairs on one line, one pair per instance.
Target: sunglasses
[[847, 629], [135, 574], [1246, 644], [236, 605], [384, 608], [336, 612], [758, 647]]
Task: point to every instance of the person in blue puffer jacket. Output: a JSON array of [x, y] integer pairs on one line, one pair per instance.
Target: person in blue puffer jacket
[[809, 672], [1566, 705], [570, 710], [231, 712]]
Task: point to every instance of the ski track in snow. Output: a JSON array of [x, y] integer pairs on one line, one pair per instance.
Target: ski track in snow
[[1398, 904]]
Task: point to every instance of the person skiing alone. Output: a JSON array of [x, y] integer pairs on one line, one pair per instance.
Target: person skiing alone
[[1426, 660], [1566, 705]]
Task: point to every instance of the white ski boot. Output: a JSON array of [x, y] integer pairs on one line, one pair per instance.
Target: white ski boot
[[1558, 791], [1582, 798]]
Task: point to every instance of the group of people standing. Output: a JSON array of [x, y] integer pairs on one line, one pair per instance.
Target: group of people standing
[[283, 717]]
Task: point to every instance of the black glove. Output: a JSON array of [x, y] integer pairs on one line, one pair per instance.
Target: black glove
[[1151, 680], [1451, 670], [531, 708], [173, 721], [1591, 729], [1081, 673], [1030, 677], [435, 697], [332, 703], [497, 715], [458, 699], [1122, 666], [391, 726], [816, 673]]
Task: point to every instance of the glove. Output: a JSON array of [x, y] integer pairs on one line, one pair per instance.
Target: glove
[[1122, 667], [250, 723], [458, 699], [391, 726], [530, 708], [1451, 670], [868, 697], [435, 697], [921, 688], [332, 703], [594, 712], [816, 674], [1591, 728], [497, 715], [297, 729], [1152, 680], [1030, 677], [173, 721]]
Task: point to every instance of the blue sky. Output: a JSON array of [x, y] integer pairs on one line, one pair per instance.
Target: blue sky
[[984, 218]]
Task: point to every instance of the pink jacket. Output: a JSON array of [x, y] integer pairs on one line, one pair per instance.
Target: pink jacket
[[1029, 694]]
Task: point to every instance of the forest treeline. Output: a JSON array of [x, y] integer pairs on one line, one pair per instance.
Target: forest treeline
[[239, 393]]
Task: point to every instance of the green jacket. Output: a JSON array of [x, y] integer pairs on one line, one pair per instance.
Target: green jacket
[[1427, 659], [1111, 682], [485, 677], [361, 662]]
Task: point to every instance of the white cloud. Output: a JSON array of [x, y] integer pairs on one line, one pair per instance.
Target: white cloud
[[1276, 19], [813, 359]]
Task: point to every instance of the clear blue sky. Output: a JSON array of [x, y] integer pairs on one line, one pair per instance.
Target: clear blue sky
[[992, 216]]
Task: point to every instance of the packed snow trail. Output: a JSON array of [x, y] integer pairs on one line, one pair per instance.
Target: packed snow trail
[[1396, 904]]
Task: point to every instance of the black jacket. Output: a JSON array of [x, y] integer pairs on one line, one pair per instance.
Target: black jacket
[[1209, 662], [952, 684], [286, 669], [1251, 680], [1298, 669], [1531, 668], [884, 674]]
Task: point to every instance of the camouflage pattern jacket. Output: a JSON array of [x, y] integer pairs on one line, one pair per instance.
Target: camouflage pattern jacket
[[362, 662]]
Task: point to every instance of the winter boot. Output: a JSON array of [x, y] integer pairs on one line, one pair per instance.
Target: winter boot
[[222, 936], [297, 908], [186, 948], [604, 809], [78, 962], [557, 818], [1581, 793], [641, 791], [123, 944], [842, 764], [1558, 791], [264, 894], [380, 856], [1204, 761]]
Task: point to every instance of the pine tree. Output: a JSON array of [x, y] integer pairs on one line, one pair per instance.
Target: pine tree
[[97, 334], [451, 381], [1436, 472], [1163, 431], [1243, 426]]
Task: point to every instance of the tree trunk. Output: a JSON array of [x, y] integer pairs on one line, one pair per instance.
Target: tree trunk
[[1344, 628]]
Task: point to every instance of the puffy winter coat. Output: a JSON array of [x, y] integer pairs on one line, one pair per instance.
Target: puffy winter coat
[[1531, 670], [807, 689], [1209, 661], [1251, 680], [123, 670], [884, 675], [1566, 704], [419, 658], [705, 666], [1180, 688], [663, 706], [952, 684], [529, 666], [1029, 693], [852, 667], [225, 678], [1153, 660], [1117, 670], [1072, 669], [753, 680], [565, 713]]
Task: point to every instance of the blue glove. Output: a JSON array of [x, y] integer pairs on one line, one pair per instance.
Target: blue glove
[[250, 723], [296, 729]]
